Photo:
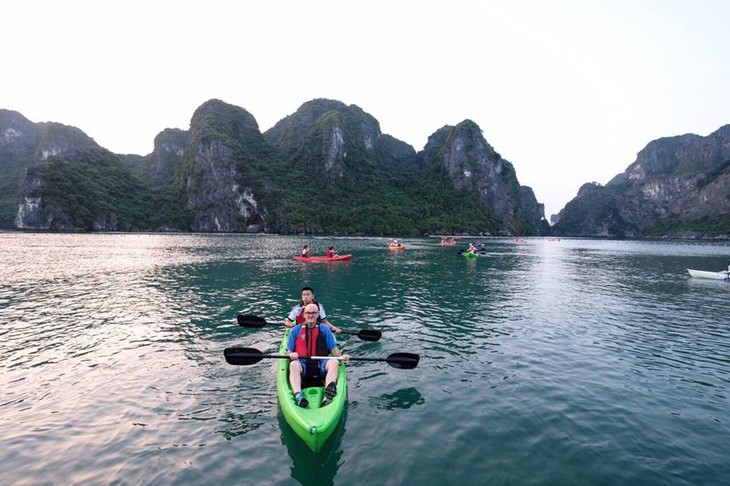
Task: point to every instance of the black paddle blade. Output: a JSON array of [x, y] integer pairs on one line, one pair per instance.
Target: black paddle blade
[[404, 361], [369, 334], [250, 321], [243, 356]]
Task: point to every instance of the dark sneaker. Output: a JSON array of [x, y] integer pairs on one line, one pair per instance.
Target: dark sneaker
[[301, 401], [329, 393]]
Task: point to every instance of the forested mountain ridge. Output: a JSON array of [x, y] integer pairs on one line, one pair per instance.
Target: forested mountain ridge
[[23, 144], [677, 187], [325, 169]]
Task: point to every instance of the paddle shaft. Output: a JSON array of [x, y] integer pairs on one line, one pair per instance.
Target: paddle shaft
[[397, 360], [249, 356], [259, 322], [339, 358], [284, 356], [351, 358]]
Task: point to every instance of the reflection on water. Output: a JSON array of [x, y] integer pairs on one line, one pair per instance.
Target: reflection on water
[[238, 424], [313, 468], [401, 399]]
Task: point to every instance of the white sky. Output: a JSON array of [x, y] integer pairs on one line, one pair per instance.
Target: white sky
[[568, 91]]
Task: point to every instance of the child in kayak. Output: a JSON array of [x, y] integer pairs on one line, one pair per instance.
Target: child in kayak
[[305, 251], [311, 339], [331, 252]]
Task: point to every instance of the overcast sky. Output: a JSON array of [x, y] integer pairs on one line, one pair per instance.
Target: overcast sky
[[568, 91]]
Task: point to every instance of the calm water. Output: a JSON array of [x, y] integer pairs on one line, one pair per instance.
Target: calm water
[[546, 362]]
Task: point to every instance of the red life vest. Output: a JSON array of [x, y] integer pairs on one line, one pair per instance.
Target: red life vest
[[300, 318], [310, 342]]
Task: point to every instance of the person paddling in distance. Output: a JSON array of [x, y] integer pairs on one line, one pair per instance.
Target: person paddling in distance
[[312, 339], [297, 317], [471, 249], [331, 252], [305, 251]]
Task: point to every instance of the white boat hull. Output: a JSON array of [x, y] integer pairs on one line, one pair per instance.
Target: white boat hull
[[711, 275]]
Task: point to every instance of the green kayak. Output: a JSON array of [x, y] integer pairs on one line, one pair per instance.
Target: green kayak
[[469, 255], [313, 424]]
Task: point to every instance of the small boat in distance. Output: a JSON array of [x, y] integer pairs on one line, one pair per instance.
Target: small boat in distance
[[721, 275], [396, 245], [447, 241], [336, 258]]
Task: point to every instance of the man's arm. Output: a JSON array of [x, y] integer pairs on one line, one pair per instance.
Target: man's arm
[[337, 353], [289, 320]]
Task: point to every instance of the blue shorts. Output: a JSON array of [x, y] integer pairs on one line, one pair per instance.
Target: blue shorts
[[321, 362]]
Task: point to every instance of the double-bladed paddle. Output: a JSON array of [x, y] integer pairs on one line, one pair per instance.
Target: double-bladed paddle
[[259, 322], [249, 356]]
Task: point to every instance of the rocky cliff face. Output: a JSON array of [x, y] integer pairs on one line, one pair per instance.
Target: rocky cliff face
[[327, 168], [532, 211], [219, 170], [61, 141], [24, 145], [329, 138], [216, 200], [159, 167], [343, 148], [31, 212], [18, 141], [18, 135], [473, 165], [675, 182], [87, 190]]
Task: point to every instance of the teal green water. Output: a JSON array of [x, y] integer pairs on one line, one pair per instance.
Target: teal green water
[[544, 362]]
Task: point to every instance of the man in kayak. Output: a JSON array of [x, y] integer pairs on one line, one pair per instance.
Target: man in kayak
[[312, 339], [331, 252], [305, 251], [471, 249], [296, 316]]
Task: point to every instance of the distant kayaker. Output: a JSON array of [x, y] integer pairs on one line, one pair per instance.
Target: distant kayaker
[[471, 249], [331, 252], [297, 317], [305, 251], [311, 339]]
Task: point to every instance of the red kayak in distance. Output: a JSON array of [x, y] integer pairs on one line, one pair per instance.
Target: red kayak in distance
[[336, 258]]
